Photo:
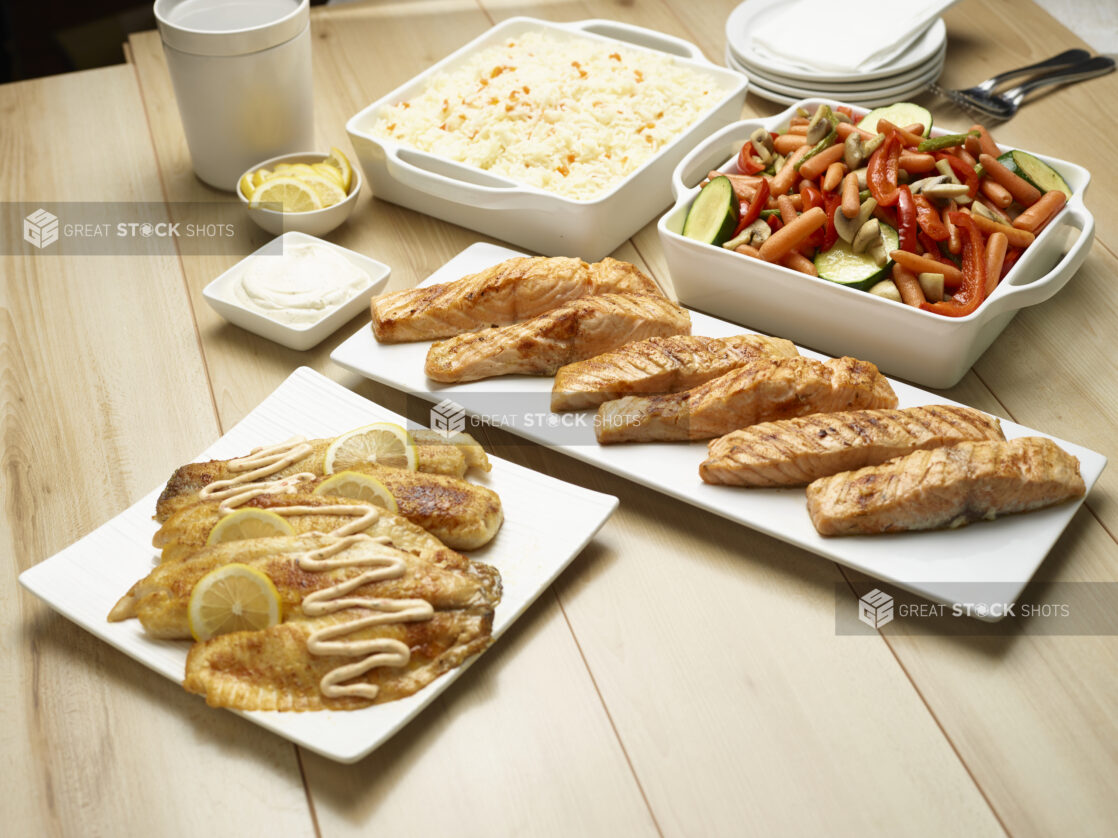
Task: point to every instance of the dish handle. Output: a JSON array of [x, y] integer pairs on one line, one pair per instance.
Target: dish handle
[[1024, 291], [688, 172], [449, 181], [642, 37]]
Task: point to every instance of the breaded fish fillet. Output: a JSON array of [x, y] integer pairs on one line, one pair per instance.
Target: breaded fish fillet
[[273, 669], [573, 331], [765, 390], [793, 452], [945, 487], [187, 530], [448, 580], [434, 455], [658, 365], [506, 293]]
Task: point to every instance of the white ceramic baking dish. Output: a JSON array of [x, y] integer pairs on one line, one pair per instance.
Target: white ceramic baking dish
[[925, 348], [524, 215]]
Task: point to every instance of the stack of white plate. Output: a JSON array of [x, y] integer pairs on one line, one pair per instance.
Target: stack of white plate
[[906, 75]]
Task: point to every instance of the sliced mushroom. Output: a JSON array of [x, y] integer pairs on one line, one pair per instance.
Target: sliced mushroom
[[863, 178], [877, 252], [754, 235], [887, 289], [841, 117], [980, 208], [917, 185], [853, 151], [932, 286], [866, 235], [762, 144], [944, 190], [847, 228], [820, 125], [944, 168]]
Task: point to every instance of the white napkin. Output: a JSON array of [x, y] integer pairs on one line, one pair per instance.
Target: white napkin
[[842, 36]]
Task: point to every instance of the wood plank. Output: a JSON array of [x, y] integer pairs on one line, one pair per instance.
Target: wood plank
[[529, 696], [103, 393]]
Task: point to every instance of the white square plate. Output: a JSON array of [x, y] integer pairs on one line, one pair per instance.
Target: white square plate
[[222, 299], [987, 562], [532, 547]]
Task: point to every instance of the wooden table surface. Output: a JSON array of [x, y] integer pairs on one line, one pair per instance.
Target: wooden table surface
[[683, 677]]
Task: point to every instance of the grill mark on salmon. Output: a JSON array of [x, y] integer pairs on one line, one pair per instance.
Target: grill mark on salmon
[[514, 290], [945, 487], [793, 452], [765, 390], [658, 365], [573, 331]]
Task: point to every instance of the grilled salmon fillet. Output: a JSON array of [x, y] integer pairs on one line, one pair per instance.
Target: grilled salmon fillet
[[945, 487], [658, 365], [762, 391], [274, 670], [793, 452], [434, 454], [575, 330], [514, 290]]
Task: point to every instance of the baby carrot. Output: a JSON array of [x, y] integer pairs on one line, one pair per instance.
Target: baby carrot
[[996, 245], [788, 237], [747, 250], [1024, 192], [851, 199], [926, 264], [813, 168], [787, 143], [916, 162], [954, 243], [908, 135], [1039, 214], [784, 179], [1017, 237], [986, 143], [999, 196], [845, 129], [798, 262], [908, 285], [787, 209], [833, 176]]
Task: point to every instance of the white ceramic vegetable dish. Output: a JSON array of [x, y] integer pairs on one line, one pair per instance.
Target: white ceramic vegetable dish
[[926, 348], [542, 221]]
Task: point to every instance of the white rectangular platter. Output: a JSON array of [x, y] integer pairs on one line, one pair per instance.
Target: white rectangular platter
[[531, 549], [989, 562]]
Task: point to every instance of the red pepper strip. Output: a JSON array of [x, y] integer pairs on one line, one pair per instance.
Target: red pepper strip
[[906, 219], [747, 162], [753, 211], [774, 222], [973, 290], [830, 234], [882, 171], [1012, 254], [933, 251], [965, 173], [810, 196], [927, 216]]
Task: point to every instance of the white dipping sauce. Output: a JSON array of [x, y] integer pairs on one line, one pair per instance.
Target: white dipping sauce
[[301, 286]]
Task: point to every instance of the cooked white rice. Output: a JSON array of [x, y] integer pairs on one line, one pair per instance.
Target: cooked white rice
[[572, 116]]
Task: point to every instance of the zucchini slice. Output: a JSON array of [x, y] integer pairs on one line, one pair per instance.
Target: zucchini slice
[[714, 213], [900, 114], [1035, 171], [843, 266]]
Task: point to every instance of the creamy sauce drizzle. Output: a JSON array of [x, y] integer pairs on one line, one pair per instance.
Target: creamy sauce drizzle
[[250, 482]]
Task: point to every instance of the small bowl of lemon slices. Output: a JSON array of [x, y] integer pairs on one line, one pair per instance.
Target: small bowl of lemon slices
[[308, 192]]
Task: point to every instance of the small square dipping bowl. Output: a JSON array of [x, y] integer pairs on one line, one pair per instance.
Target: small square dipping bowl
[[219, 294], [922, 347]]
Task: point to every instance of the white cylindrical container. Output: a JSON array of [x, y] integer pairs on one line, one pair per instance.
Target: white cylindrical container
[[242, 76]]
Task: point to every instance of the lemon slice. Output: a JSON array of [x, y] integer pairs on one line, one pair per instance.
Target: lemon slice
[[383, 443], [329, 172], [291, 193], [340, 162], [249, 523], [327, 189], [358, 486], [234, 597], [259, 176], [246, 184]]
